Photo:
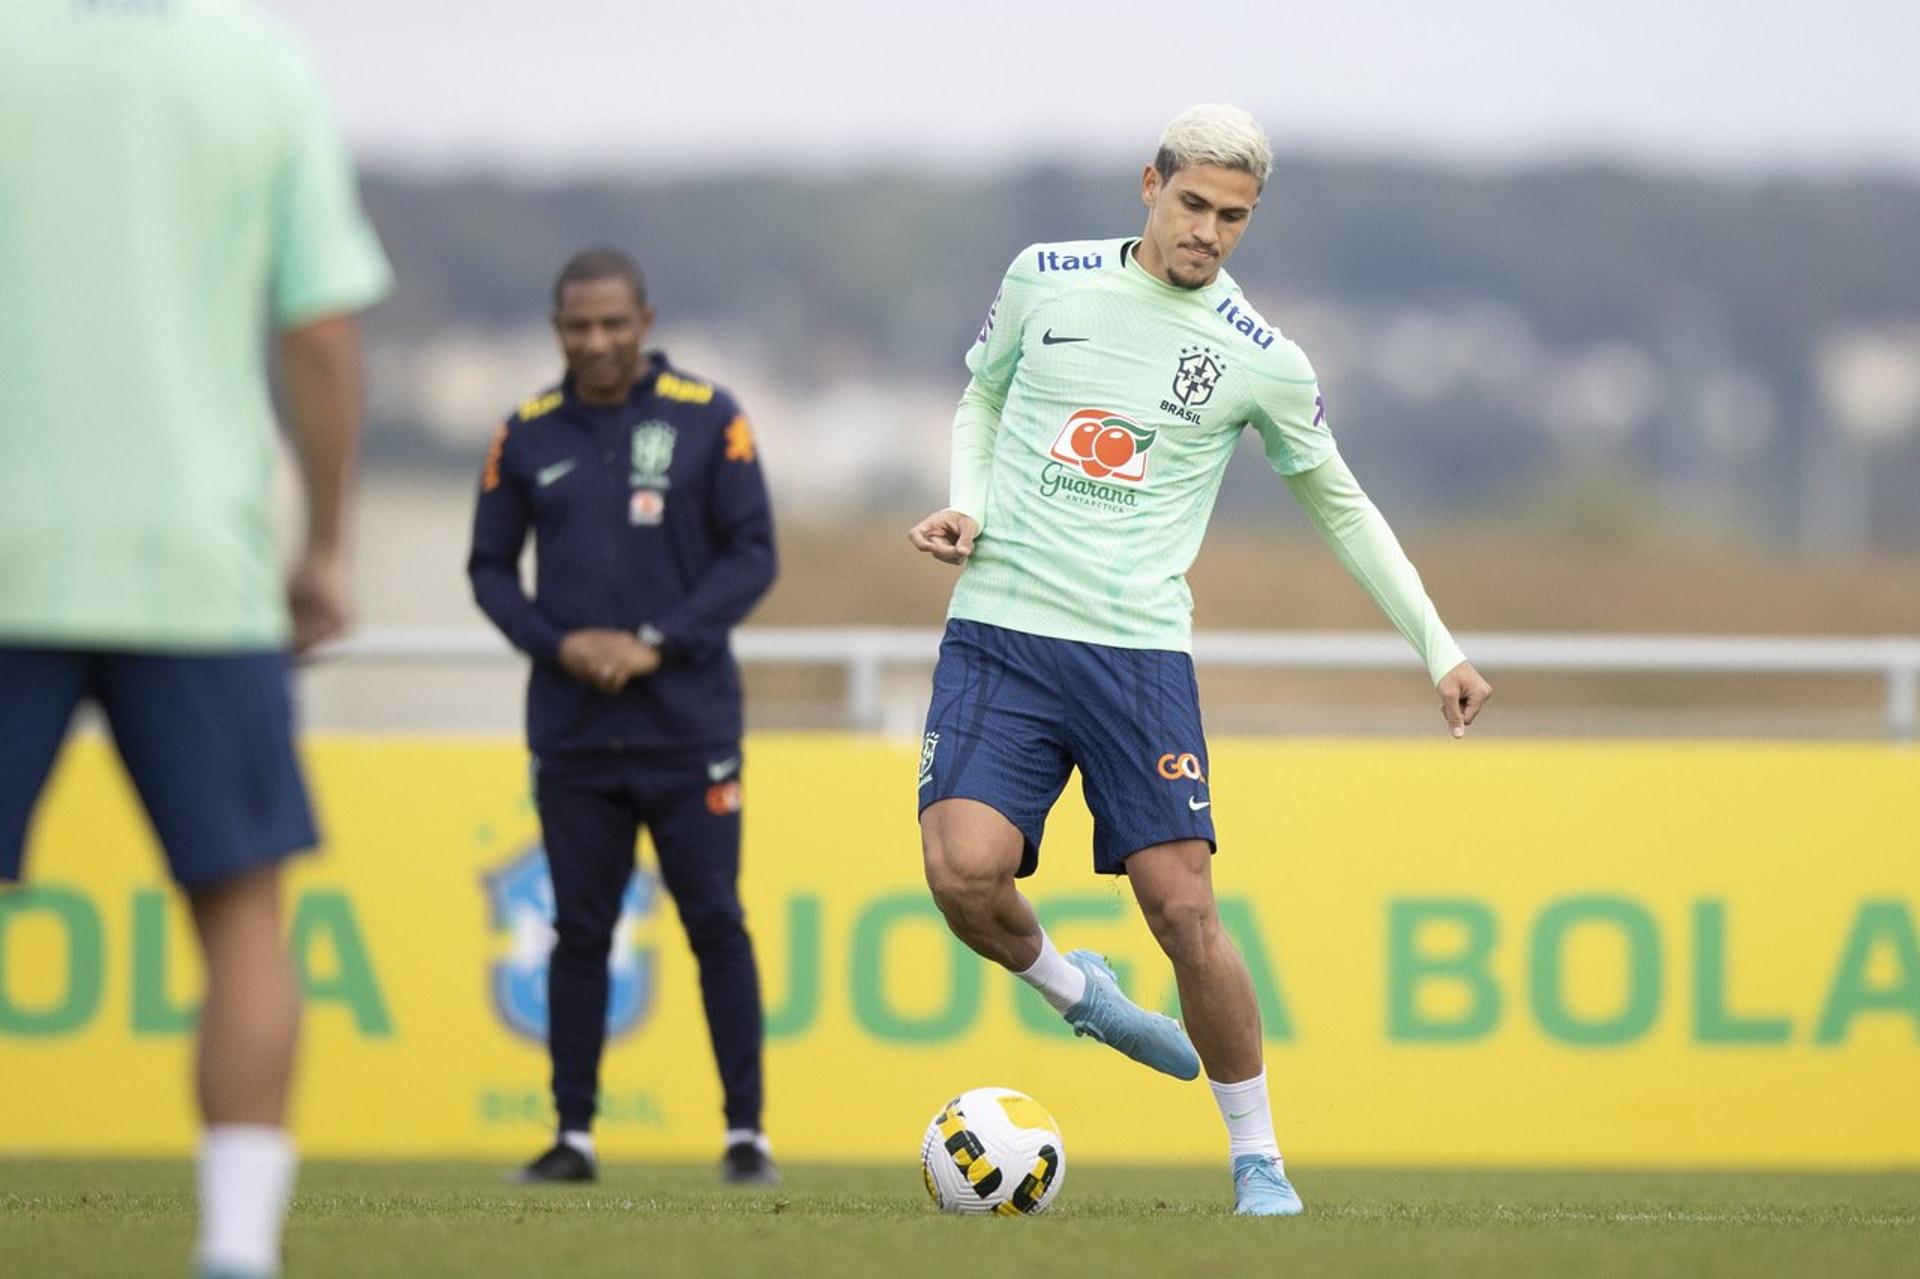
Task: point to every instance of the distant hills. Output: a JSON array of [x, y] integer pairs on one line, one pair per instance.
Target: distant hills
[[1741, 353]]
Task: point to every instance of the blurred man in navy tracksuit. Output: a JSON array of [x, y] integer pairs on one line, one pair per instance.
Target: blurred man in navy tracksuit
[[653, 537]]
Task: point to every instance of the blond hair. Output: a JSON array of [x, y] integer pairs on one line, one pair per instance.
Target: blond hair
[[1215, 133]]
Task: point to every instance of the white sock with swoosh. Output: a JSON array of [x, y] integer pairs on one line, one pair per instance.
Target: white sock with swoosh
[[1248, 1116]]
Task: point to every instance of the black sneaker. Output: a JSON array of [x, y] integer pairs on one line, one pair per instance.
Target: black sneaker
[[562, 1163], [745, 1164]]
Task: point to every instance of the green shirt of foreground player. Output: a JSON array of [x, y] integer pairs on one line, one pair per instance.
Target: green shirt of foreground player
[[1111, 381], [137, 448]]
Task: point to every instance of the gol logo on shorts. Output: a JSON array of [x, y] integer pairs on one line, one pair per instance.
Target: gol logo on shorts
[[723, 798], [1174, 767]]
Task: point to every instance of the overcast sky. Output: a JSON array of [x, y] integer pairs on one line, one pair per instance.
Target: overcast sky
[[579, 86]]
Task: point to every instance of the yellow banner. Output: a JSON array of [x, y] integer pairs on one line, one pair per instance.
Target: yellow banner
[[1474, 953]]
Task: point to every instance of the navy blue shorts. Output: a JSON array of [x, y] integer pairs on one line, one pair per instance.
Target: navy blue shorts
[[1013, 714], [207, 739]]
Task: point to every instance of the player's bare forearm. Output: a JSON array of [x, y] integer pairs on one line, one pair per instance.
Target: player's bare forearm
[[321, 381], [946, 535], [320, 377], [1462, 693]]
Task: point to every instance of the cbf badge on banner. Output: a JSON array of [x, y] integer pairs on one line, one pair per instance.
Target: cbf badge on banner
[[520, 896]]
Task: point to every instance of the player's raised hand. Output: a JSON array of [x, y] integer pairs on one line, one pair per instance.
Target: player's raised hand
[[946, 535], [1462, 693]]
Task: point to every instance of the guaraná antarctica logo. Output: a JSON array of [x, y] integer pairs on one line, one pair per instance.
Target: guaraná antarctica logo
[[1105, 445], [520, 898], [1099, 459]]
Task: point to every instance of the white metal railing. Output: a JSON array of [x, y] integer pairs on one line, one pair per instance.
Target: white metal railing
[[868, 653]]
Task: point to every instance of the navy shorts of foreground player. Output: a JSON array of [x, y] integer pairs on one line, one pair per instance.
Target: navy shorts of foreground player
[[206, 738], [1013, 714]]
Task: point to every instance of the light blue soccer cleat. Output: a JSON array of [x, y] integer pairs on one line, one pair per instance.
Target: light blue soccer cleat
[[1261, 1188], [1105, 1014]]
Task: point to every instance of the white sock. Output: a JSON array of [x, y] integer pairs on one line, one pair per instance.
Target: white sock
[[246, 1178], [1059, 983], [579, 1139], [1249, 1118], [737, 1135]]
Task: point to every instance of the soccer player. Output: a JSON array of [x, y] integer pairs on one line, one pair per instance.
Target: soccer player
[[1110, 382], [653, 537], [172, 188]]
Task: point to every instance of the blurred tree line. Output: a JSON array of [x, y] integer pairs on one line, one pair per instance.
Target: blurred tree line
[[1740, 352]]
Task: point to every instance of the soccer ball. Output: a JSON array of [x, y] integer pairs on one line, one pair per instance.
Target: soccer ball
[[993, 1150]]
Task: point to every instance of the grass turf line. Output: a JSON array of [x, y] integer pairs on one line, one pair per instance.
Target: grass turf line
[[136, 1217]]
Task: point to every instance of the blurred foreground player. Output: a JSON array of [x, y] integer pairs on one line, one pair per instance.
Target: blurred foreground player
[[1111, 382], [652, 538], [171, 189]]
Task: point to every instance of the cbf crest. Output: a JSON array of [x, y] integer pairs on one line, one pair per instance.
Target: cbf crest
[[1196, 375], [928, 745], [520, 900], [652, 454]]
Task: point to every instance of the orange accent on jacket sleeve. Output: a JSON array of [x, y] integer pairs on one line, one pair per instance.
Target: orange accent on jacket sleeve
[[739, 440], [490, 474]]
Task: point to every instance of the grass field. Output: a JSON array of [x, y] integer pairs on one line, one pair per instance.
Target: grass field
[[129, 1217]]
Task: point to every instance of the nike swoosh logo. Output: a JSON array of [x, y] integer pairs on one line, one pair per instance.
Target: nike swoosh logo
[[1196, 803], [722, 770], [548, 474], [1047, 339], [1241, 1114]]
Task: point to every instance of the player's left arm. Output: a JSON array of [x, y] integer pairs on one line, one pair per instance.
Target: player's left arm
[[739, 522], [1350, 524], [1291, 418], [326, 265], [320, 376]]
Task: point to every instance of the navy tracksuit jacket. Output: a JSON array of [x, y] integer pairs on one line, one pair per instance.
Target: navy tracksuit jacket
[[650, 517]]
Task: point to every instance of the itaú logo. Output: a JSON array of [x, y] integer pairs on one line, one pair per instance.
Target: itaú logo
[[1174, 767], [520, 901]]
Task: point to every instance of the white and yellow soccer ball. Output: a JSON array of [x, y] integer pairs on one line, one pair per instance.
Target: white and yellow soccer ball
[[993, 1150]]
